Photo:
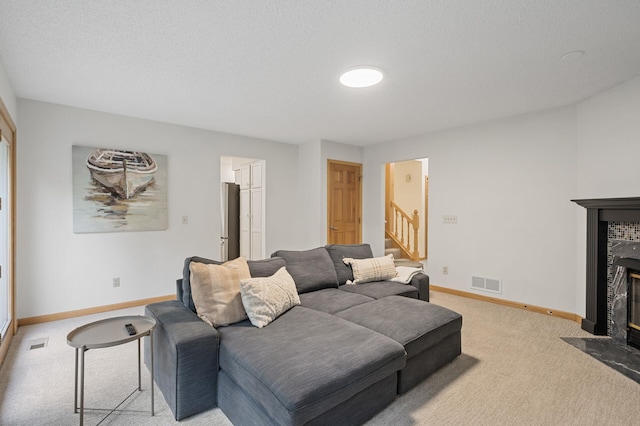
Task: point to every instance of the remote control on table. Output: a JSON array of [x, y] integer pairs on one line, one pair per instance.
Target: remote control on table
[[130, 329]]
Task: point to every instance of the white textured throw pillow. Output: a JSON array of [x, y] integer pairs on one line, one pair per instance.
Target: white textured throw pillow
[[373, 269], [265, 299]]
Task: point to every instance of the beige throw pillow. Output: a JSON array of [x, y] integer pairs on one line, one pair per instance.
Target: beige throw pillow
[[372, 269], [216, 291], [265, 299]]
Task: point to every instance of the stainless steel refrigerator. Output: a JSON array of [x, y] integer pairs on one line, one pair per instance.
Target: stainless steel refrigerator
[[230, 214]]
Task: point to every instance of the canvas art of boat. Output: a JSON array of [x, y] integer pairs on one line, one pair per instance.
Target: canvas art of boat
[[124, 173]]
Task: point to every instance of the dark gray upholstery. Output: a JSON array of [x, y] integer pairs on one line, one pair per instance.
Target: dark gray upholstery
[[332, 300], [241, 409], [310, 269], [380, 289], [265, 267], [297, 367], [415, 324], [337, 252], [185, 358], [308, 366]]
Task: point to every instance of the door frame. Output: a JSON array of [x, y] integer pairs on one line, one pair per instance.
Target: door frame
[[8, 131], [330, 198]]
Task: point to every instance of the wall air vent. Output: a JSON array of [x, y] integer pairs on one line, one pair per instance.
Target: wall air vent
[[491, 285]]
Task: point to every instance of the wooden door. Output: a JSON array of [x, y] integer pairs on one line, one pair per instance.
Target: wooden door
[[344, 202]]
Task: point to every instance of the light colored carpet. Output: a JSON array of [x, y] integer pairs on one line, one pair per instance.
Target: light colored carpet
[[514, 370]]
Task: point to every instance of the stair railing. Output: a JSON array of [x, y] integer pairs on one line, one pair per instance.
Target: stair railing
[[404, 230]]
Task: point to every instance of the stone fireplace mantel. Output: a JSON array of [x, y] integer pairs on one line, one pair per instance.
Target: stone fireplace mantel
[[599, 213]]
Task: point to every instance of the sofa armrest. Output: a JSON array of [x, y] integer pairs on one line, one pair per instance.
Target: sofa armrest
[[421, 282], [185, 351]]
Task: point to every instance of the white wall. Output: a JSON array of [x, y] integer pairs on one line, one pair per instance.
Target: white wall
[[59, 271], [7, 94], [509, 182], [608, 157], [312, 232]]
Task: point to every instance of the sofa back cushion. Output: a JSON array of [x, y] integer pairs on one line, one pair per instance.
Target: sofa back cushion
[[311, 269], [257, 268], [337, 252]]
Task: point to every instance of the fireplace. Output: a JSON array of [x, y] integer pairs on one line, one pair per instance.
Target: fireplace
[[600, 212]]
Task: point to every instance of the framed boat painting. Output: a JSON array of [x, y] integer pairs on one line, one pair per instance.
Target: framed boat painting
[[117, 190]]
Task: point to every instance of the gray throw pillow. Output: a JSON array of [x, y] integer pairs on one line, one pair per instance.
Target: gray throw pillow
[[311, 269]]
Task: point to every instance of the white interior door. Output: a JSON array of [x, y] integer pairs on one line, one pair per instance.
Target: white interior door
[[245, 223], [256, 223]]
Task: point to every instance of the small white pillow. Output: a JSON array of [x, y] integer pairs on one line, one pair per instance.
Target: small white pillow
[[265, 299], [373, 269]]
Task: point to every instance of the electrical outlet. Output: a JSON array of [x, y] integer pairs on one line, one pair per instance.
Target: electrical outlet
[[116, 282], [185, 220], [450, 218], [445, 270]]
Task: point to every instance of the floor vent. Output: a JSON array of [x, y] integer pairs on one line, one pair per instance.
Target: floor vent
[[37, 343], [491, 285]]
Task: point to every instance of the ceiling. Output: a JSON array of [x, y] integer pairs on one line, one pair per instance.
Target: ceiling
[[270, 68]]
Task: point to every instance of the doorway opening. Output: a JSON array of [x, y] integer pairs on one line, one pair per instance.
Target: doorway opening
[[242, 208], [407, 209]]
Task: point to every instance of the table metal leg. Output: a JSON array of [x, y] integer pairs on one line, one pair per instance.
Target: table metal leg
[[139, 367], [82, 351], [151, 353], [75, 386]]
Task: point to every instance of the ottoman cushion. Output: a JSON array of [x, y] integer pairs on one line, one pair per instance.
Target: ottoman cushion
[[415, 324]]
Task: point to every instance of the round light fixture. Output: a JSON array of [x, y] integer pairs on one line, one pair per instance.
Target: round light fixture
[[361, 77]]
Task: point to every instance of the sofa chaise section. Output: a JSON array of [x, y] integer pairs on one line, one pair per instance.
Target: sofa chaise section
[[298, 368]]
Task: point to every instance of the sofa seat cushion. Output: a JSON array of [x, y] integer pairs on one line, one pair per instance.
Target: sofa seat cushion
[[380, 289], [415, 324], [297, 367], [332, 300]]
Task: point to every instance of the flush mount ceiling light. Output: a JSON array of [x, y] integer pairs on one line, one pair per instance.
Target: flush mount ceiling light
[[572, 55], [361, 77]]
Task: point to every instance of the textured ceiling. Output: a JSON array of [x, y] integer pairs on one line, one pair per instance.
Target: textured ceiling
[[270, 68]]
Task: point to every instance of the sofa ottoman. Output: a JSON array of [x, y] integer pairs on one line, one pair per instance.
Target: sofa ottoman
[[296, 370], [429, 333]]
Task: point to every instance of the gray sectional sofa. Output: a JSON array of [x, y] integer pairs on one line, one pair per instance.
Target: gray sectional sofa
[[340, 357]]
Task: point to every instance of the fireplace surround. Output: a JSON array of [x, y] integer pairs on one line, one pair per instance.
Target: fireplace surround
[[599, 213]]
